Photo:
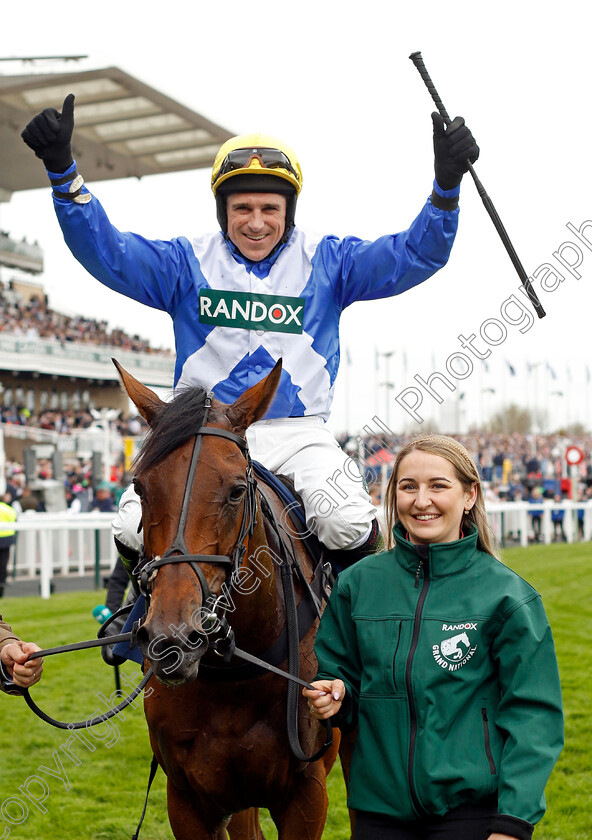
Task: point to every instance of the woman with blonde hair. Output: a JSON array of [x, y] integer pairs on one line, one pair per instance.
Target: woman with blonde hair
[[467, 474], [444, 658]]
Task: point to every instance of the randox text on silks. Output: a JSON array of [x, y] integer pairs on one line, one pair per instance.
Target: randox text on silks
[[251, 311]]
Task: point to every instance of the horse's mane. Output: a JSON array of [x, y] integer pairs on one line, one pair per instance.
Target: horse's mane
[[174, 423]]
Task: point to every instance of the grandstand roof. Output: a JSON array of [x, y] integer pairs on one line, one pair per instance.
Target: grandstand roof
[[123, 127]]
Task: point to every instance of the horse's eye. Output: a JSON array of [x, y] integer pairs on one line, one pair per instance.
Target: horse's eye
[[236, 493], [137, 487]]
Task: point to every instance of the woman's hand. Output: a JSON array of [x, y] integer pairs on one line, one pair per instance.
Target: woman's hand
[[325, 701], [497, 836], [14, 658]]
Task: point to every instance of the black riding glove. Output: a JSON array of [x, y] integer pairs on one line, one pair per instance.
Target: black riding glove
[[454, 148], [49, 135]]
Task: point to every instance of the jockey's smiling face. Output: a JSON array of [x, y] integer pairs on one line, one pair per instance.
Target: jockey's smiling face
[[256, 222], [430, 498]]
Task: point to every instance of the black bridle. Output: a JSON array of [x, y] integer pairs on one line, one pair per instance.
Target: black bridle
[[178, 551]]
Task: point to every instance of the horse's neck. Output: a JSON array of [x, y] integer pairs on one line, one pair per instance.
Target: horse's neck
[[257, 588]]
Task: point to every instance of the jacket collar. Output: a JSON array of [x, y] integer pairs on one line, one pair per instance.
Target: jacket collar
[[443, 558], [260, 268]]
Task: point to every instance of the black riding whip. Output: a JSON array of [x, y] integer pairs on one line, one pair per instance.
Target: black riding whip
[[418, 61]]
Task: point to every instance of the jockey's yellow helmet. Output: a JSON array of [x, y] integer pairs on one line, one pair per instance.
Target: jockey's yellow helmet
[[256, 163], [261, 157]]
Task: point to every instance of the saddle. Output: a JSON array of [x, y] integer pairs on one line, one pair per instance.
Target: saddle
[[284, 489]]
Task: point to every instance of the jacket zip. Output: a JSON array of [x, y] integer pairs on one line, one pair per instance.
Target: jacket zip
[[395, 658], [488, 742], [423, 565]]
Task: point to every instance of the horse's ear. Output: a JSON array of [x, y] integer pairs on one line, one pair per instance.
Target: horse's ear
[[253, 404], [143, 398]]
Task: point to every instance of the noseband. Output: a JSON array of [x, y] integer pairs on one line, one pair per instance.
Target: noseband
[[178, 552]]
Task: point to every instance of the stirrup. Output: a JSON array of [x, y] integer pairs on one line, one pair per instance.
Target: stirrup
[[115, 625]]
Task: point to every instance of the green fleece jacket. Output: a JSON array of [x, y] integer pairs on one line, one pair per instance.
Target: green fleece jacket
[[450, 664]]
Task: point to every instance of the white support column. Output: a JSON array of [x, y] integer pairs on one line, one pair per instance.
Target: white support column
[[80, 540], [63, 548], [568, 523], [588, 522], [46, 562], [547, 528], [523, 527]]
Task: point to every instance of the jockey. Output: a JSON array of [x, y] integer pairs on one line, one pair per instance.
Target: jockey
[[258, 290]]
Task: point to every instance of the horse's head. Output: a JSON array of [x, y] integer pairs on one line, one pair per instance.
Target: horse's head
[[199, 509]]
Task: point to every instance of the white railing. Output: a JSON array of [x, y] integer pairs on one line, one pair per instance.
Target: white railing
[[63, 543], [82, 544], [512, 521]]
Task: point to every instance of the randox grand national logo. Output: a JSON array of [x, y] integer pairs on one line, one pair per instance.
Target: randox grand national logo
[[251, 311], [455, 651]]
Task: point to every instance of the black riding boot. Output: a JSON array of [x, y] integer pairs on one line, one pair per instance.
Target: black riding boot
[[341, 558], [129, 558]]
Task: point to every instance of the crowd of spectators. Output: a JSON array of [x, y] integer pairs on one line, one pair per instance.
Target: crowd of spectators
[[83, 491], [82, 488], [64, 422], [522, 462], [34, 319], [511, 466]]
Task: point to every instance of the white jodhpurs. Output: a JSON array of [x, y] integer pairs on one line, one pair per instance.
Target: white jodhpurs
[[337, 506], [126, 527]]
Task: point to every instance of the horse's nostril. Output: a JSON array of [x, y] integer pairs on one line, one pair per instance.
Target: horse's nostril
[[154, 647], [142, 637], [170, 651], [194, 638]]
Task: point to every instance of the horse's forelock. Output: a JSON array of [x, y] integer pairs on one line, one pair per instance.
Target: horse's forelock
[[173, 425]]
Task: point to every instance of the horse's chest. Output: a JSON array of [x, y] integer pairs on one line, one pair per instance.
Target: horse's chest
[[215, 756], [207, 727]]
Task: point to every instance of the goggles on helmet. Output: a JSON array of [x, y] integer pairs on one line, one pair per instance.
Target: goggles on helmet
[[267, 158]]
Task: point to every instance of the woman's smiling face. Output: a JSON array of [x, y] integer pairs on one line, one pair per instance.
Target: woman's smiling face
[[430, 498]]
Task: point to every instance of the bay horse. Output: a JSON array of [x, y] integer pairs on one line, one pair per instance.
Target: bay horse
[[212, 558]]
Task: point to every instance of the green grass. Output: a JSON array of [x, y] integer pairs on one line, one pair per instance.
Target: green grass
[[106, 790], [563, 576]]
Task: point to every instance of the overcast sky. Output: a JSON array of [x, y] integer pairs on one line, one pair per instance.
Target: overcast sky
[[334, 80]]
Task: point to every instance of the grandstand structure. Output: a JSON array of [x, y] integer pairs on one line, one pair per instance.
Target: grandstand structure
[[124, 128], [42, 374]]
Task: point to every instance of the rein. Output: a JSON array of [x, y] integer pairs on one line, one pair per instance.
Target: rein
[[125, 637], [83, 724]]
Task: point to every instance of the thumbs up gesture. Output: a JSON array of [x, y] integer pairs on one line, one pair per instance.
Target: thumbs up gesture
[[49, 134]]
